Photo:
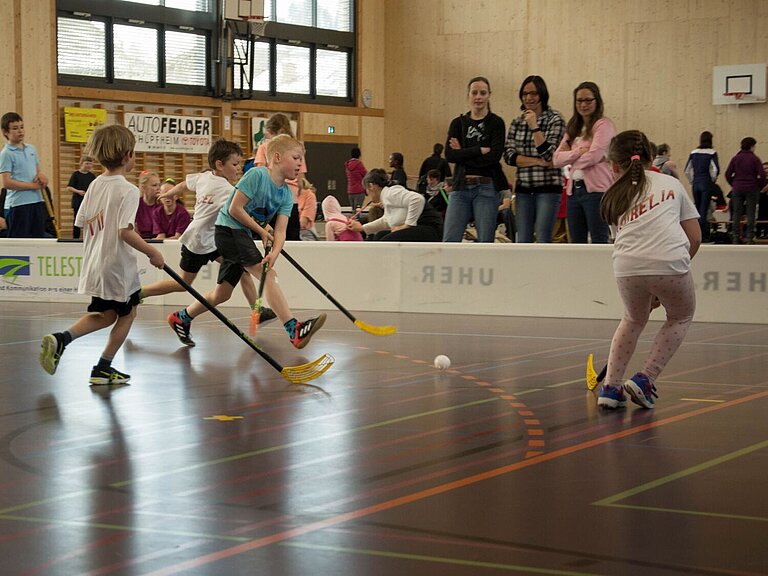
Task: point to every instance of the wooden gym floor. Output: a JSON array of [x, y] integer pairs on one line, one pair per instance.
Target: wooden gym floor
[[209, 463]]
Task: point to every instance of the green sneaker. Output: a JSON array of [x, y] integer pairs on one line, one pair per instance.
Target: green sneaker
[[51, 349], [102, 376]]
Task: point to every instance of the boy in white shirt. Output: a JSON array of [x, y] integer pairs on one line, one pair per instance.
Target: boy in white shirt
[[198, 247], [110, 272]]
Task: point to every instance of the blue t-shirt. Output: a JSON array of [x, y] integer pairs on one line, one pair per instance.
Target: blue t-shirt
[[265, 199], [21, 163]]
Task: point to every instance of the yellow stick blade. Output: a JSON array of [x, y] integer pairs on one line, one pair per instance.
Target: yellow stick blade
[[591, 374], [307, 372], [377, 330]]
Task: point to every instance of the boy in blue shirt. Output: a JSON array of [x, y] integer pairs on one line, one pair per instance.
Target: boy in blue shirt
[[25, 211], [259, 195]]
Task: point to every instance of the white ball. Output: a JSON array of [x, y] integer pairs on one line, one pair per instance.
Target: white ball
[[442, 362]]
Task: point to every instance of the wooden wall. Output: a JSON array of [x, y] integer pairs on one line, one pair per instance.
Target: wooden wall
[[653, 61], [28, 73]]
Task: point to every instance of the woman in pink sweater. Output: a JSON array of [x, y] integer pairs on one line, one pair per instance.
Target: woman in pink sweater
[[584, 147]]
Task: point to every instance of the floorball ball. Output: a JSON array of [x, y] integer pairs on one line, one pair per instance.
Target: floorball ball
[[442, 362]]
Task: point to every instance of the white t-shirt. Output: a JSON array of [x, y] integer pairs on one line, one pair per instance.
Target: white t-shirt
[[650, 240], [110, 270], [211, 192]]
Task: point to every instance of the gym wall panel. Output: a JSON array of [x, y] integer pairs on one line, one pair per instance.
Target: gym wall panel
[[526, 280], [652, 60]]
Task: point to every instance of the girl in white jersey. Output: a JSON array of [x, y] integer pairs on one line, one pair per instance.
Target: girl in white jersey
[[657, 235]]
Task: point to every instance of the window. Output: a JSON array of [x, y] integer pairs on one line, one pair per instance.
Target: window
[[292, 69], [332, 75], [135, 53], [326, 14], [77, 37], [261, 72], [312, 52], [194, 5], [138, 44], [185, 58]]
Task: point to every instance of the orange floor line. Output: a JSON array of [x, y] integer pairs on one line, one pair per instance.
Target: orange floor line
[[442, 488]]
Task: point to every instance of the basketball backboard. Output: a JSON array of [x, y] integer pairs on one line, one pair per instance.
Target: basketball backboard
[[749, 80]]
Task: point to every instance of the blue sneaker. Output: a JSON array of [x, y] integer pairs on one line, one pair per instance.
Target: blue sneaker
[[641, 390], [611, 397]]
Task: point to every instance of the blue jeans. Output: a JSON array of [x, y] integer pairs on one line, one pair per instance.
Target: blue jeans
[[480, 201], [702, 196], [583, 213], [536, 210]]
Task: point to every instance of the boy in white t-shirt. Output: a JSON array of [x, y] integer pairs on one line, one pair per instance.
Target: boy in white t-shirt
[[110, 272], [198, 247], [658, 234]]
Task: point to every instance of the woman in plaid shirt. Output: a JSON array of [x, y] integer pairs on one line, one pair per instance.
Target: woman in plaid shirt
[[532, 140]]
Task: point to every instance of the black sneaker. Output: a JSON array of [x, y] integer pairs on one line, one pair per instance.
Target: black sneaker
[[51, 349], [303, 331], [266, 315], [180, 328], [101, 376]]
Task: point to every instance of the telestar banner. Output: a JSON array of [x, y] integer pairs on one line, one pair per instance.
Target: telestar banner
[[162, 133]]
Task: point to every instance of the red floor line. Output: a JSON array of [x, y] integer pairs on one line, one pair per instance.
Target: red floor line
[[420, 495]]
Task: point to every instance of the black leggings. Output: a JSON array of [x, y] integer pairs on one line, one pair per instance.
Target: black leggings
[[429, 228]]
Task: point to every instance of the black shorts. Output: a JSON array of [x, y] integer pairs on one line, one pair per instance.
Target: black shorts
[[122, 308], [191, 262], [238, 251]]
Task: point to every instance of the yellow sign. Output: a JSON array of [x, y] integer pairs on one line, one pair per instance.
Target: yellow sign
[[79, 123]]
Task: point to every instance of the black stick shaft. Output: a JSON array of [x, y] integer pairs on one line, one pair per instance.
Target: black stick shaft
[[317, 285], [200, 298]]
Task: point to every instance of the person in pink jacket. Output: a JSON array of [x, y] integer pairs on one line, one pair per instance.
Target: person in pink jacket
[[355, 170], [336, 223], [584, 147]]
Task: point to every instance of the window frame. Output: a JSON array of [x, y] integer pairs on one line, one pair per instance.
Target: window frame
[[279, 33], [158, 18]]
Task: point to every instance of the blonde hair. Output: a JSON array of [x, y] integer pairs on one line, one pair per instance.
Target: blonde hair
[[146, 176], [110, 144], [281, 144]]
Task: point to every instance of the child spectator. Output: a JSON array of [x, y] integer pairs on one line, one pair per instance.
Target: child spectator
[[657, 235], [280, 124], [198, 248], [336, 223], [307, 210], [259, 195], [171, 220], [78, 186], [109, 271], [149, 186], [25, 211], [355, 170], [433, 184], [407, 216]]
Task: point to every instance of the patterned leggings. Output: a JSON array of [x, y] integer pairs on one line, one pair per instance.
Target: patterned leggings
[[677, 295]]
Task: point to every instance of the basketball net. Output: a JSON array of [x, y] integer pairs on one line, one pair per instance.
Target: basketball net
[[257, 24]]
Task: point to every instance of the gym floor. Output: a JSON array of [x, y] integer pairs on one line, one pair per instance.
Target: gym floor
[[210, 463]]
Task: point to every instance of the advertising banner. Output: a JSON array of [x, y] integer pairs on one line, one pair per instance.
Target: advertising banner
[[163, 133], [79, 123]]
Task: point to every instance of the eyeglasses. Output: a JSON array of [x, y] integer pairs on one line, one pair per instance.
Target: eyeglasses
[[585, 100], [530, 94]]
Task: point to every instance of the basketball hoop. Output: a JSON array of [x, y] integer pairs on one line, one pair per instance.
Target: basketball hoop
[[256, 24], [734, 95]]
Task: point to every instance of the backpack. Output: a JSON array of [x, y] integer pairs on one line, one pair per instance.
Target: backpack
[[347, 235]]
